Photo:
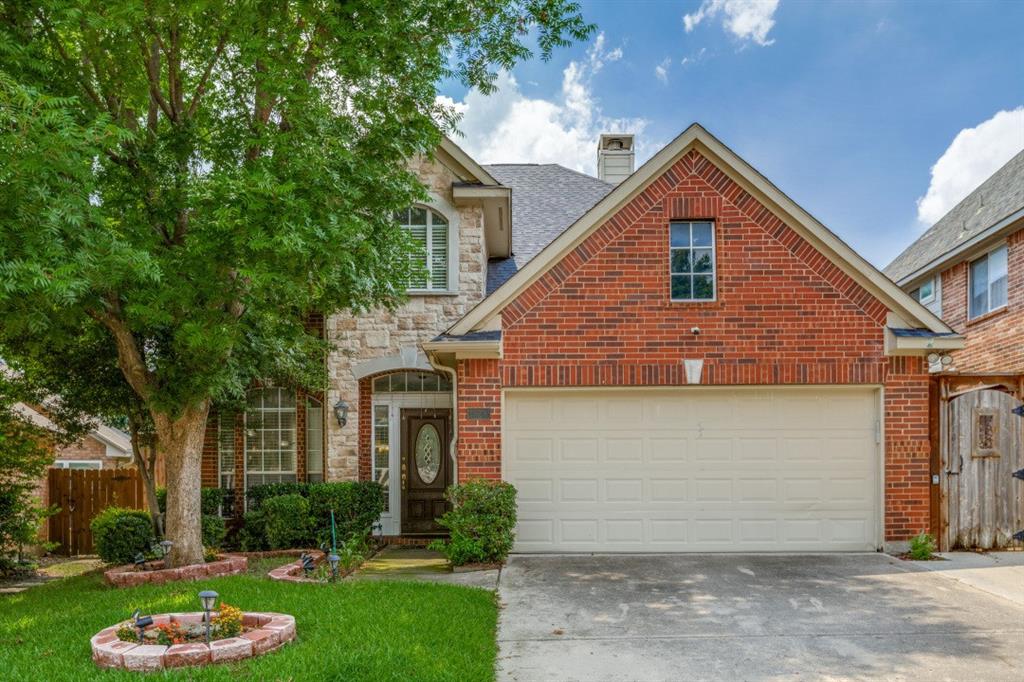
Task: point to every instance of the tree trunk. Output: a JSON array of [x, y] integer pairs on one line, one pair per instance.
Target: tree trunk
[[181, 443]]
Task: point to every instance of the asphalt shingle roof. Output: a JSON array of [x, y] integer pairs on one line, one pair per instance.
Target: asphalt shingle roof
[[996, 198], [546, 199]]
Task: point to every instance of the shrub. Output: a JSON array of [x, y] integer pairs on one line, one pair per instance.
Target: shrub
[[212, 498], [258, 494], [922, 547], [356, 507], [482, 522], [214, 529], [119, 534], [287, 521], [252, 537]]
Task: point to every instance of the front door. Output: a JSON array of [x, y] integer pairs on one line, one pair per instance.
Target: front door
[[984, 501], [426, 468]]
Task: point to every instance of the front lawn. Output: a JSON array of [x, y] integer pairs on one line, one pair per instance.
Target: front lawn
[[355, 630]]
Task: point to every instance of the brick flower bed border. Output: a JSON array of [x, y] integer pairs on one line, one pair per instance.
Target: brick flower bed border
[[127, 576], [272, 631], [293, 572]]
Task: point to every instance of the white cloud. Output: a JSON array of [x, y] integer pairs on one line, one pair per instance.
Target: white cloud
[[661, 70], [510, 127], [974, 155], [745, 19], [693, 59]]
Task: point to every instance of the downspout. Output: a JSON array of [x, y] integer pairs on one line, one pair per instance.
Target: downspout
[[453, 448]]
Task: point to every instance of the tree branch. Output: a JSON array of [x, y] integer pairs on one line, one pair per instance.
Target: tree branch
[[129, 356], [201, 88], [151, 59]]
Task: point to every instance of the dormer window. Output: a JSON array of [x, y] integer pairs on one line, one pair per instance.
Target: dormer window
[[429, 230]]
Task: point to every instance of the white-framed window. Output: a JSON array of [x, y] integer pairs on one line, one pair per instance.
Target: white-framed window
[[226, 459], [78, 464], [412, 382], [314, 440], [987, 282], [270, 436], [926, 292], [429, 230], [382, 449], [692, 260]]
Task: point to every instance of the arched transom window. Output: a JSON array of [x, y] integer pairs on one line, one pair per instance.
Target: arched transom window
[[429, 229]]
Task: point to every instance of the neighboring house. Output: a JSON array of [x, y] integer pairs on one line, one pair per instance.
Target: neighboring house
[[104, 447], [969, 269], [678, 358]]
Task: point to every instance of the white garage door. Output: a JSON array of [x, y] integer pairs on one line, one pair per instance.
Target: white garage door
[[694, 469]]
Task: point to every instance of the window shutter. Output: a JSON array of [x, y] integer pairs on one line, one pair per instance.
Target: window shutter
[[418, 278], [438, 255]]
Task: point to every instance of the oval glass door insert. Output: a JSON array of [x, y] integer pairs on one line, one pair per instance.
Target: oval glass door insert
[[428, 453]]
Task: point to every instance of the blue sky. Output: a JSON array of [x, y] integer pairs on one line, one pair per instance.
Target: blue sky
[[846, 106]]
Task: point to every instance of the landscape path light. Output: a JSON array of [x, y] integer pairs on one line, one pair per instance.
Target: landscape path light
[[208, 598]]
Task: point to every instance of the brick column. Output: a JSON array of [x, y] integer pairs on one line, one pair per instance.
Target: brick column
[[907, 449], [479, 447]]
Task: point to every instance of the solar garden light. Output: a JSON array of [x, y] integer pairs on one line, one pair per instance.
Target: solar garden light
[[307, 563], [208, 598], [334, 559], [140, 561], [166, 545], [141, 623]]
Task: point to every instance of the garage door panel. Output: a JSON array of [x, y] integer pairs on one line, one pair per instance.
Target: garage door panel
[[720, 475]]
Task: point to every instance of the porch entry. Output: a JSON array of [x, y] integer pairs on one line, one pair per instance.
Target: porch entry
[[410, 444], [983, 445]]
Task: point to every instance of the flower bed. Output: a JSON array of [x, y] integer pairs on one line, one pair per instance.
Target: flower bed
[[129, 576], [259, 633], [293, 572]]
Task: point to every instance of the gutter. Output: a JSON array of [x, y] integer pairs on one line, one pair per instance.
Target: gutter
[[453, 447]]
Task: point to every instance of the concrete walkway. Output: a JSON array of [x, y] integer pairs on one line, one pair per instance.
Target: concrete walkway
[[1001, 574], [416, 563], [752, 617]]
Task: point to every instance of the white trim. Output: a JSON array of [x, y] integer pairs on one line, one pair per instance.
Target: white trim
[[465, 350], [60, 463], [738, 170], [455, 151]]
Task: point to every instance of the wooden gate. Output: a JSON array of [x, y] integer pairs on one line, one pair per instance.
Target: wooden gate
[[984, 445], [81, 494]]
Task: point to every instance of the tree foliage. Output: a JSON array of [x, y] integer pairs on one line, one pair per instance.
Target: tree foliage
[[195, 178]]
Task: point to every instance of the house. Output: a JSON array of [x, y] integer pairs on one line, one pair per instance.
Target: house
[[678, 358], [104, 447], [968, 268]]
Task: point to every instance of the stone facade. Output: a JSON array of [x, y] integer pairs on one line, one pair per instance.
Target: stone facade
[[356, 339]]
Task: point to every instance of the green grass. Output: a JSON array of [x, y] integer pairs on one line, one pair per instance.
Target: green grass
[[354, 630]]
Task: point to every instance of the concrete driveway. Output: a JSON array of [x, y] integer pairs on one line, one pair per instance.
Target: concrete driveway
[[754, 617]]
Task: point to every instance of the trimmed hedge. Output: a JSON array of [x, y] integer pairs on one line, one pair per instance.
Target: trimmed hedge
[[119, 534], [482, 522], [209, 506], [356, 507], [287, 521]]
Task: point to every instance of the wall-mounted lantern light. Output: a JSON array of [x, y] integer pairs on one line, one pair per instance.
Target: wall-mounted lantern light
[[341, 412]]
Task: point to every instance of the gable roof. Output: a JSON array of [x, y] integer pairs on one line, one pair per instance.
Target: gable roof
[[912, 312], [108, 435], [996, 203], [546, 199]]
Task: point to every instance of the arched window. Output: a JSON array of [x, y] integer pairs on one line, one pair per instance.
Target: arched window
[[429, 229]]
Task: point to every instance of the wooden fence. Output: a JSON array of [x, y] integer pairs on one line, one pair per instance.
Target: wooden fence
[[81, 494]]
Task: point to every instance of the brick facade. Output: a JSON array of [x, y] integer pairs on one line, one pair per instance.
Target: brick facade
[[784, 314], [995, 342]]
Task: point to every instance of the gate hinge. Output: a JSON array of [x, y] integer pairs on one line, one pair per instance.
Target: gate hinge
[[1019, 473], [1019, 536], [1019, 410]]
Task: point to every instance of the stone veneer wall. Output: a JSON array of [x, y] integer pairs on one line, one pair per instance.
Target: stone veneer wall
[[381, 334]]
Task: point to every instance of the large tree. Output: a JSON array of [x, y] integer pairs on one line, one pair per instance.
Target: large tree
[[196, 178]]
